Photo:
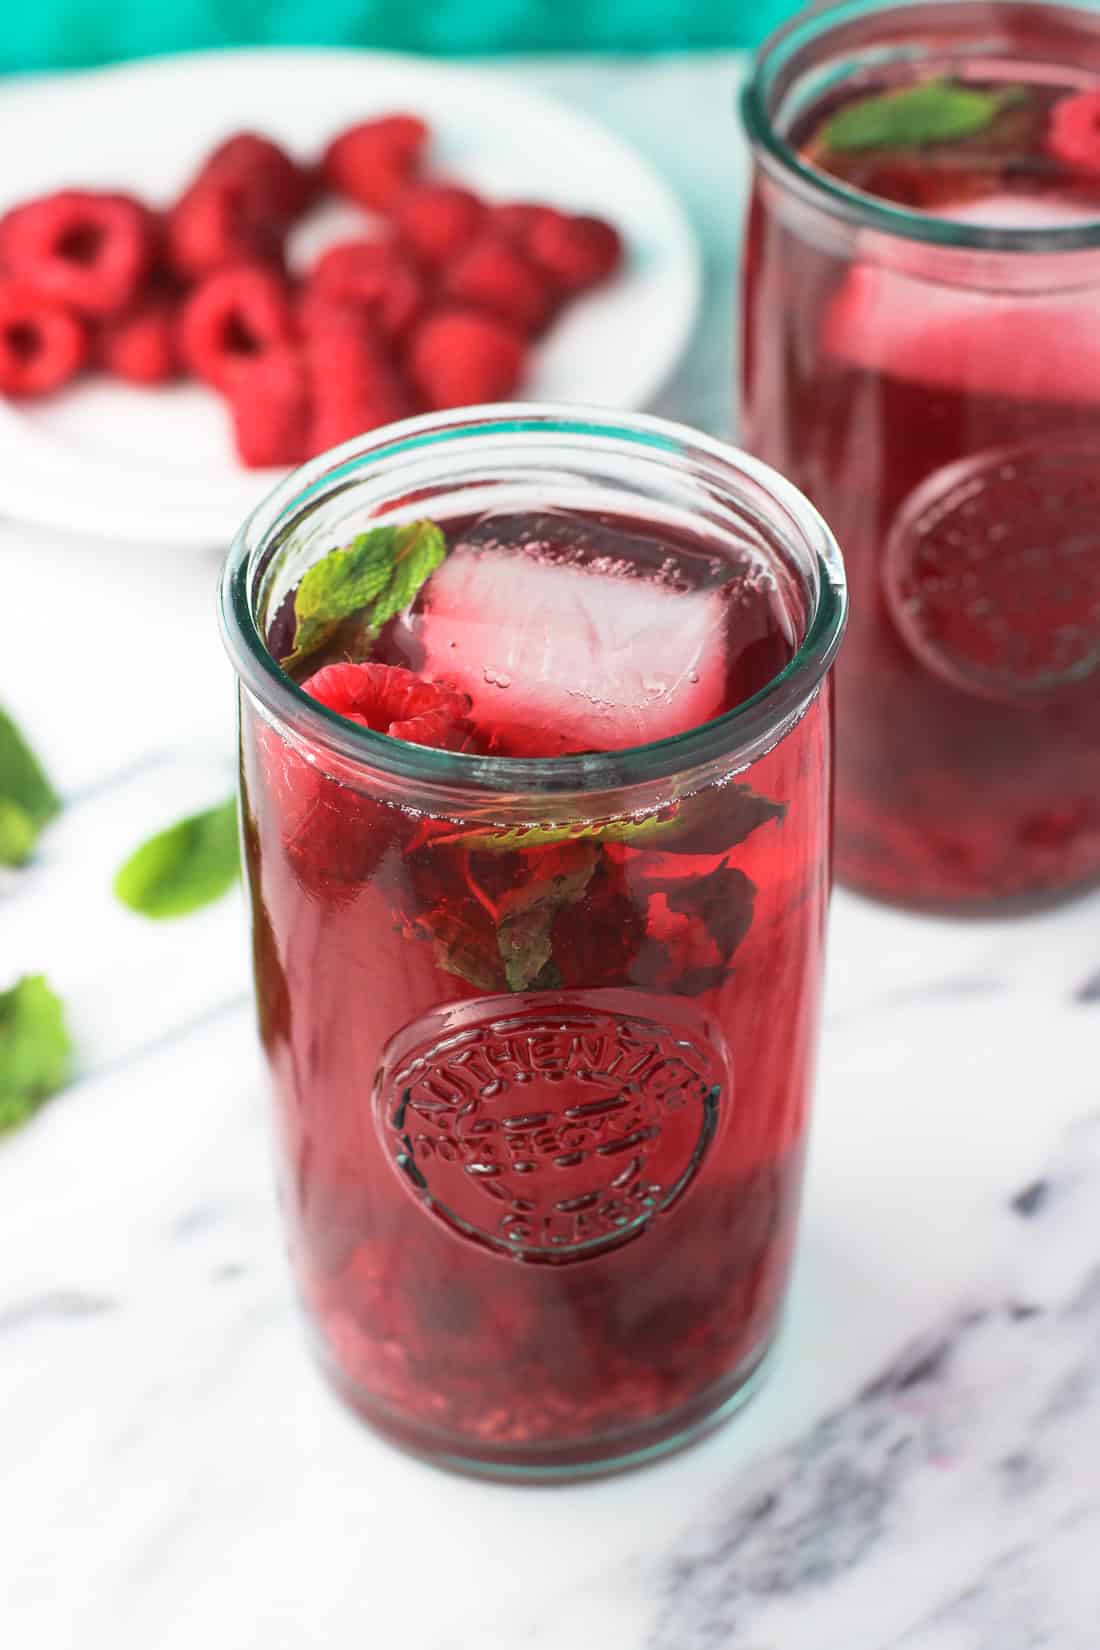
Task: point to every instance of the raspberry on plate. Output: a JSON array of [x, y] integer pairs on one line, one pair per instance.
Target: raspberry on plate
[[88, 250], [436, 220], [269, 399], [1073, 136], [206, 231], [373, 162], [42, 346], [234, 315], [374, 274], [268, 180], [141, 345], [575, 251], [238, 208], [354, 383], [517, 219], [392, 700], [492, 273], [459, 357]]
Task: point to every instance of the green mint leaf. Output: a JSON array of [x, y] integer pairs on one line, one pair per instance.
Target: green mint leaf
[[184, 867], [709, 822], [374, 577], [17, 833], [933, 111], [27, 799], [509, 839], [527, 913], [421, 547], [35, 1049]]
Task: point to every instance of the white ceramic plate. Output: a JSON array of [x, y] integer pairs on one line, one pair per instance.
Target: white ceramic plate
[[157, 466]]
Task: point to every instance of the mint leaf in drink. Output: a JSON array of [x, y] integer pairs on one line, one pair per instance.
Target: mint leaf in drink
[[722, 900], [35, 1049], [715, 820], [373, 578], [185, 867], [491, 918], [27, 799], [527, 914], [709, 822], [932, 111]]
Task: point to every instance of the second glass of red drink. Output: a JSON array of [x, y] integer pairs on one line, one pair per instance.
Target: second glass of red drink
[[922, 357]]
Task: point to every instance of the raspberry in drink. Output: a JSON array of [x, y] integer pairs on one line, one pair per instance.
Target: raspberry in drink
[[539, 863], [922, 358]]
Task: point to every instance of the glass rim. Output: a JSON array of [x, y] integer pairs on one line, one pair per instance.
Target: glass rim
[[754, 719], [866, 211]]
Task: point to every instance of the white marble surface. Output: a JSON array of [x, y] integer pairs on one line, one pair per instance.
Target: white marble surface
[[923, 1471]]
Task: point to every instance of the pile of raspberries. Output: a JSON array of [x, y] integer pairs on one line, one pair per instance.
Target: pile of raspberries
[[437, 309]]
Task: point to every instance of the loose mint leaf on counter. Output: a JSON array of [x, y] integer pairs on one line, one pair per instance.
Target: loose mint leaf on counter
[[35, 1049], [933, 111], [375, 576], [185, 867], [17, 833], [27, 799]]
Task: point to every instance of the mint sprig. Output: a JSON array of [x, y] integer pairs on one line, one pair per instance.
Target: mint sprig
[[27, 799], [35, 1049], [184, 867], [932, 111], [377, 575]]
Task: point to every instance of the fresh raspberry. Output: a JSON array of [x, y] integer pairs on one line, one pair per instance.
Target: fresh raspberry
[[355, 385], [392, 700], [268, 180], [238, 208], [234, 315], [436, 220], [575, 252], [372, 162], [269, 399], [141, 345], [206, 231], [91, 252], [493, 274], [1073, 135], [41, 345], [460, 357], [517, 219], [375, 275]]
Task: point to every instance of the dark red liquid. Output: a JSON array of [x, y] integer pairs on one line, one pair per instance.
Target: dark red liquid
[[543, 1219], [950, 434]]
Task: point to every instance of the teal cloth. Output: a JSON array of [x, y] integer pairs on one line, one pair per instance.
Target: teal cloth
[[56, 34]]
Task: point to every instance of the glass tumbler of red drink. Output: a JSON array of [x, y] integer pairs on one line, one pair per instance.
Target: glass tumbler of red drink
[[921, 356], [540, 1009]]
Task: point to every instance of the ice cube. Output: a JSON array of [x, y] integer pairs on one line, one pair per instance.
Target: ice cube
[[574, 654], [1044, 347]]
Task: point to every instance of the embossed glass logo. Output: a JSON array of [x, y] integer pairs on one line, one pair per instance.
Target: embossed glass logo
[[992, 571], [555, 1129]]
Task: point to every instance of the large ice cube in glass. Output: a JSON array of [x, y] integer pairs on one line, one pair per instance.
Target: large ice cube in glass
[[569, 642]]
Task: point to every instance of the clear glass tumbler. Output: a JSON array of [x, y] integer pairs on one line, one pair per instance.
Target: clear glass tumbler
[[540, 1226], [930, 378]]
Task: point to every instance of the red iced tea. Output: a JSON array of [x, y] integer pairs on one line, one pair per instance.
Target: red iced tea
[[542, 1083], [922, 358]]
